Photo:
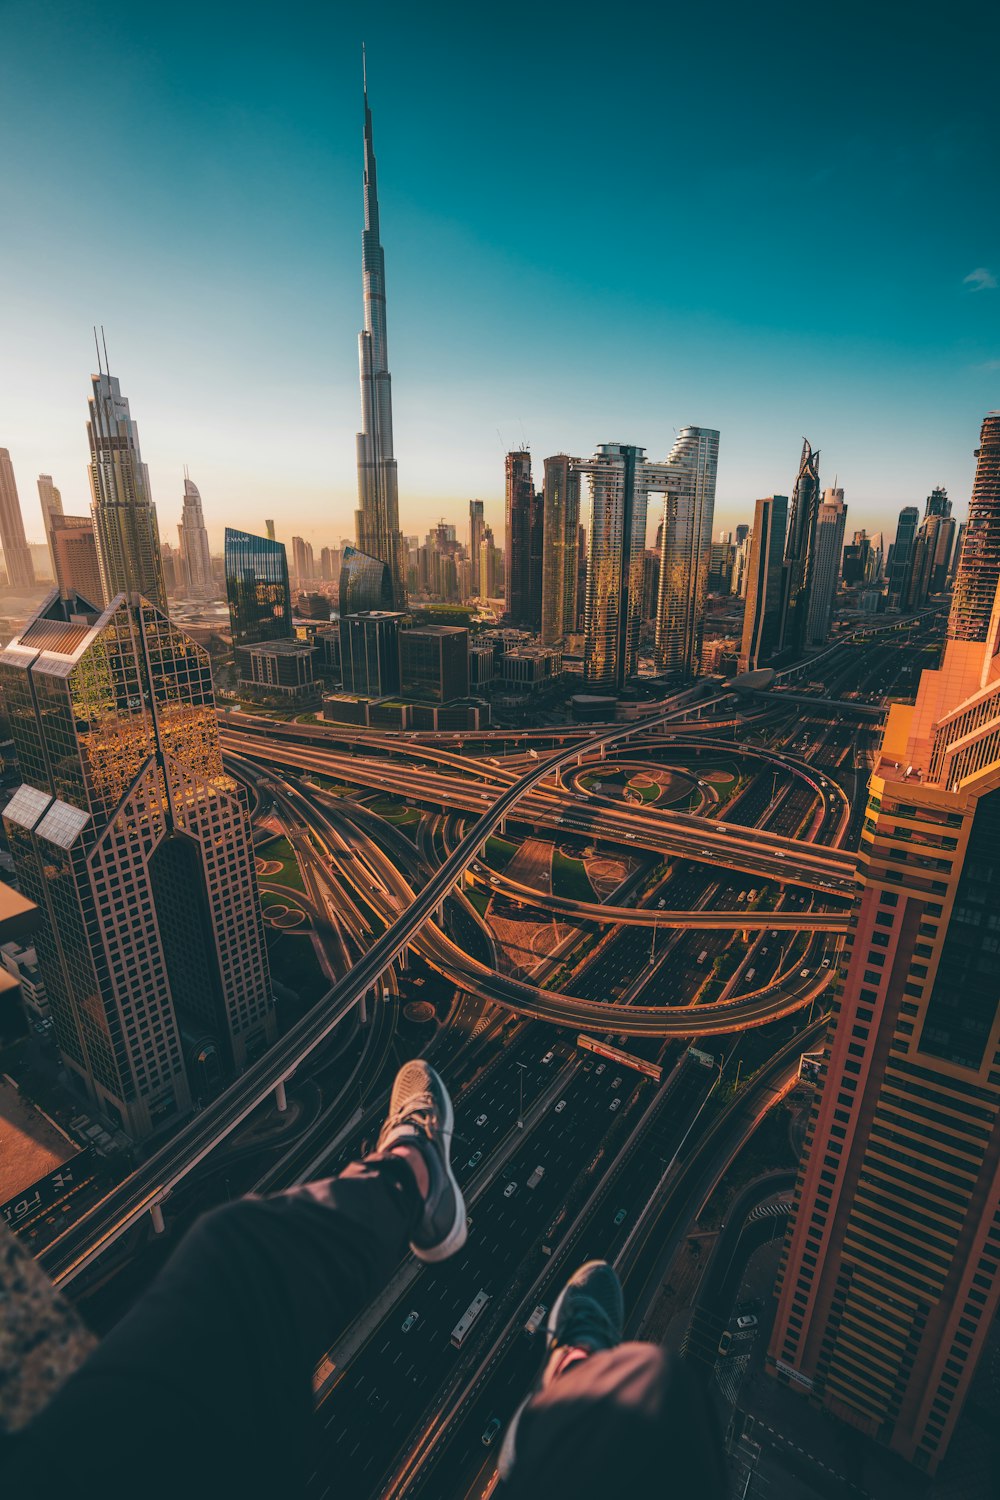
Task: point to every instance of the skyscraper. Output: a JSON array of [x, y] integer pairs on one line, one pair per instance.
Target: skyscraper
[[979, 567], [890, 1277], [828, 544], [689, 509], [260, 599], [128, 543], [269, 531], [378, 514], [196, 559], [937, 503], [17, 558], [51, 503], [369, 652], [303, 562], [765, 571], [136, 846], [489, 565], [560, 529], [901, 557], [475, 542], [799, 555], [74, 559], [621, 480], [524, 519]]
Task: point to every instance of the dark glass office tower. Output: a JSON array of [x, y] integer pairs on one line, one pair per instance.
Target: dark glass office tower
[[365, 583], [128, 538], [901, 557], [523, 558], [800, 552], [762, 616], [260, 600]]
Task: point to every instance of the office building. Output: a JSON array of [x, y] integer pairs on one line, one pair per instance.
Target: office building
[[890, 1277], [901, 557], [650, 586], [490, 566], [560, 537], [196, 559], [476, 524], [946, 532], [621, 480], [799, 553], [434, 663], [286, 668], [765, 576], [689, 509], [269, 531], [978, 572], [855, 562], [524, 519], [369, 653], [828, 544], [136, 847], [303, 562], [74, 559], [17, 558], [937, 503], [50, 500], [377, 518], [257, 588], [365, 583], [128, 542]]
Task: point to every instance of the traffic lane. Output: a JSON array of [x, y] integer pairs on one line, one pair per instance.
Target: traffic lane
[[502, 1229]]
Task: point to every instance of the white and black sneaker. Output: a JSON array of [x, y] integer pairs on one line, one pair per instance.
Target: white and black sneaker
[[420, 1111]]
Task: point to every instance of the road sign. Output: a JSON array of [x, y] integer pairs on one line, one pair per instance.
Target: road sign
[[627, 1060], [705, 1058]]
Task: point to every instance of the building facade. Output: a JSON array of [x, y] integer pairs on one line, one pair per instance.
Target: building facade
[[369, 653], [50, 500], [196, 559], [800, 552], [828, 545], [524, 520], [978, 572], [765, 574], [686, 547], [891, 1272], [476, 524], [365, 583], [136, 846], [257, 588], [377, 519], [434, 662], [74, 559], [901, 557], [17, 558], [560, 532], [128, 541]]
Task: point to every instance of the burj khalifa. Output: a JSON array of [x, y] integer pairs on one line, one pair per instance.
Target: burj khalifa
[[377, 517]]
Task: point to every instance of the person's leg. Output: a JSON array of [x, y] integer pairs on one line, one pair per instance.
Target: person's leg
[[207, 1381], [610, 1418]]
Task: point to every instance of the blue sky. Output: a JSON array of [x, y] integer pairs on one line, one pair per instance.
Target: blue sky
[[599, 225]]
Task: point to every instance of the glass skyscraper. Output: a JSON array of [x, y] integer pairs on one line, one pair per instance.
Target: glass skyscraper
[[523, 555], [686, 549], [128, 540], [137, 849], [365, 583], [560, 529], [979, 566], [800, 557], [260, 599], [762, 614]]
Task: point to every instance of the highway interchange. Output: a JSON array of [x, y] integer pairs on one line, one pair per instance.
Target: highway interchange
[[629, 974]]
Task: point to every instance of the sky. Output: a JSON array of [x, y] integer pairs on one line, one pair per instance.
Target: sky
[[599, 225]]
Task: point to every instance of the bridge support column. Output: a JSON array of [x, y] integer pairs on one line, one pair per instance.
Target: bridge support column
[[404, 960], [156, 1214], [503, 825], [280, 1097], [363, 1009], [745, 934]]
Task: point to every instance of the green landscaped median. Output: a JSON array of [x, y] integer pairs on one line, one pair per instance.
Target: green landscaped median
[[649, 793], [499, 852], [569, 878], [394, 812], [280, 851]]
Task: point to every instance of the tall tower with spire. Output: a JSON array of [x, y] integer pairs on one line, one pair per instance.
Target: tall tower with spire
[[378, 505], [128, 540]]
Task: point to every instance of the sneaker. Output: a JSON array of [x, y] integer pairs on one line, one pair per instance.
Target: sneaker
[[589, 1312], [420, 1110]]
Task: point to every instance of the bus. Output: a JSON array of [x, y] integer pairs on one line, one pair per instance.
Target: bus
[[467, 1319]]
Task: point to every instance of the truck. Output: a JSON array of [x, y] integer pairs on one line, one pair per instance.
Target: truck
[[536, 1177], [533, 1324]]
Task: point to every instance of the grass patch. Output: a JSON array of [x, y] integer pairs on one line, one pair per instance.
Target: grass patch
[[281, 850], [499, 852], [394, 812], [648, 793], [479, 899], [294, 963], [569, 878]]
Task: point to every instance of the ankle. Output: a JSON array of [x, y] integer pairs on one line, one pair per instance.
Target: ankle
[[413, 1156]]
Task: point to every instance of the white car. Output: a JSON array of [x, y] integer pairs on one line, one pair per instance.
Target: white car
[[600, 1068], [616, 1083], [825, 964], [475, 1159], [615, 1104], [747, 1321], [510, 1190], [548, 1057], [409, 1321], [803, 973], [480, 1119], [560, 1106]]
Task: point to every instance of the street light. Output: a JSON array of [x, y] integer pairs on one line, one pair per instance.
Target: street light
[[520, 1102]]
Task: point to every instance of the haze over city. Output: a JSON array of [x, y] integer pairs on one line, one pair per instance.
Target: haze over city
[[575, 252]]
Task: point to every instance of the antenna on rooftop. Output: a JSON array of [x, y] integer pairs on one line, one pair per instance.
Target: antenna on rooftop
[[107, 363], [98, 348]]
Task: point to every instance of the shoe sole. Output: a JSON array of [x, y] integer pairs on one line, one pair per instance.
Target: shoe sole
[[553, 1318], [458, 1233]]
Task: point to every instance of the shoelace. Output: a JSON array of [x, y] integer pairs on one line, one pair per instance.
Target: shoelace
[[419, 1109]]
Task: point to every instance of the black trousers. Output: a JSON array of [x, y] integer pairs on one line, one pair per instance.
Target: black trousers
[[205, 1386]]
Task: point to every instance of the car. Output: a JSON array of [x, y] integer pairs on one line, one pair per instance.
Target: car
[[510, 1190], [616, 1083], [660, 904], [803, 973], [742, 896], [481, 1119], [475, 1158], [491, 1431], [825, 964], [409, 1321], [548, 1057], [615, 1104], [725, 1342], [600, 1068], [620, 1216], [780, 854], [747, 1321], [630, 836], [560, 1106]]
